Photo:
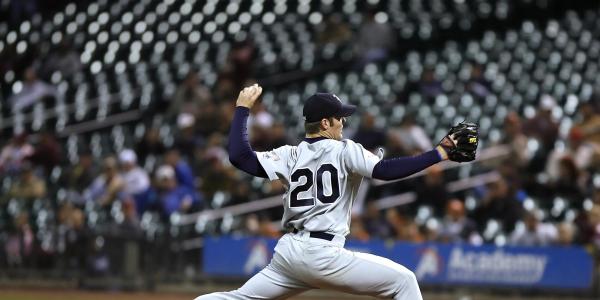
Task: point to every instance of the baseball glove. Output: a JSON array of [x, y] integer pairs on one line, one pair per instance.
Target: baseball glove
[[461, 142]]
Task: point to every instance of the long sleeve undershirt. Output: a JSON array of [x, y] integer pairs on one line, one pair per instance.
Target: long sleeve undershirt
[[241, 154], [244, 158], [400, 167]]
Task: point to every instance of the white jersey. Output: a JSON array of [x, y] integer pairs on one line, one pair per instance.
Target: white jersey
[[322, 180], [136, 181]]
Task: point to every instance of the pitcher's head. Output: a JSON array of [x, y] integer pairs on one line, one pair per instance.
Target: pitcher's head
[[325, 115]]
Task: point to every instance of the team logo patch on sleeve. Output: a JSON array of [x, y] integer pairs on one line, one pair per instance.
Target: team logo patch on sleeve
[[271, 155]]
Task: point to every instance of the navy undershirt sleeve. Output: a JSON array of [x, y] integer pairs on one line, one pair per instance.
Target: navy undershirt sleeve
[[241, 154], [396, 168]]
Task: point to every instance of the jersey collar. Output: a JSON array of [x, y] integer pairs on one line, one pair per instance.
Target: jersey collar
[[314, 140]]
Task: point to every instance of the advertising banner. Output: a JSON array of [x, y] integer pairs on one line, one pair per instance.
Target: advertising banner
[[432, 263]]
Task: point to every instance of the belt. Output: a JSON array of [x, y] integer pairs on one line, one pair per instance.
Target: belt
[[318, 235]]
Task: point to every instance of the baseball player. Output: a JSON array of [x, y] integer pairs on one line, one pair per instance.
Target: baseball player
[[322, 176]]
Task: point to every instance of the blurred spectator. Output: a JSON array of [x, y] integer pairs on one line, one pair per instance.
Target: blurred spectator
[[410, 137], [478, 85], [589, 123], [375, 40], [189, 97], [72, 236], [513, 177], [403, 227], [594, 219], [215, 148], [151, 144], [15, 153], [333, 31], [241, 58], [183, 171], [216, 172], [267, 228], [394, 146], [108, 186], [226, 110], [241, 192], [19, 246], [543, 128], [210, 120], [64, 60], [272, 188], [278, 136], [33, 91], [47, 153], [566, 233], [187, 141], [260, 122], [225, 90], [131, 217], [568, 183], [431, 190], [29, 186], [172, 196], [259, 138], [368, 135], [516, 140], [374, 222], [357, 230], [259, 116], [581, 152], [596, 195], [499, 203], [585, 227], [98, 262], [251, 225], [534, 233], [429, 86], [136, 180], [456, 227], [79, 176], [431, 230], [260, 225]]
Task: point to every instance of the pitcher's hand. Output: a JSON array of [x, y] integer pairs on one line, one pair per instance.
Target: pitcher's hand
[[249, 95]]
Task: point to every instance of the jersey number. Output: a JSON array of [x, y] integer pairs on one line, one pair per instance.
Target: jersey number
[[308, 183]]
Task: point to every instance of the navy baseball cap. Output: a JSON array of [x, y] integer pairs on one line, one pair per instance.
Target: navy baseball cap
[[324, 105]]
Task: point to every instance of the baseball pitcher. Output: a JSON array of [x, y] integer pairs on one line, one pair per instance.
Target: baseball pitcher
[[322, 176]]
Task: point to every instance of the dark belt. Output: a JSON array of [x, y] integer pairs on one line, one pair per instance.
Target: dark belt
[[318, 235]]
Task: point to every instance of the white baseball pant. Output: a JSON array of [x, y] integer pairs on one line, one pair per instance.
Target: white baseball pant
[[301, 263]]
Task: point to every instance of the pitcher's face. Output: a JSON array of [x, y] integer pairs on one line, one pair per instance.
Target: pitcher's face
[[336, 128]]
